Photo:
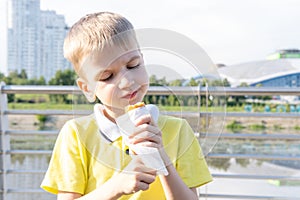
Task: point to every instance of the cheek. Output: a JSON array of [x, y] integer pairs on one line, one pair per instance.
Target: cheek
[[105, 93], [142, 77]]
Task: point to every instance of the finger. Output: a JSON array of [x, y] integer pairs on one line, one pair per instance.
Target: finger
[[153, 123], [139, 166], [144, 134], [142, 186], [145, 128], [146, 178], [145, 119], [149, 144], [144, 137]]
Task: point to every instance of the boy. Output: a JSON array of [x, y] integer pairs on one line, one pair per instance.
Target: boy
[[89, 160]]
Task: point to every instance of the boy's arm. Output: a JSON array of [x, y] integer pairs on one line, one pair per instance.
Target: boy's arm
[[135, 177], [67, 195], [106, 191], [173, 185]]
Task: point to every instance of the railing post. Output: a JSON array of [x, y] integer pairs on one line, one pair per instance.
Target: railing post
[[4, 144]]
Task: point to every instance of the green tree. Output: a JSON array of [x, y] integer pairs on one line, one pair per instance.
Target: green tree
[[172, 100], [14, 78], [66, 77], [239, 100], [2, 76], [193, 82], [226, 83], [153, 80], [219, 83], [243, 84], [176, 82], [23, 74], [156, 99], [35, 81]]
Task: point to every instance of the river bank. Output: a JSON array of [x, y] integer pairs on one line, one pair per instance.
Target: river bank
[[253, 187], [271, 124]]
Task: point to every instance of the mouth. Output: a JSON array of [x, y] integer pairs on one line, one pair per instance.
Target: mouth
[[130, 95]]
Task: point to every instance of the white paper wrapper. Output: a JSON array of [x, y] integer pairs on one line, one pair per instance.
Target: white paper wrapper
[[150, 156]]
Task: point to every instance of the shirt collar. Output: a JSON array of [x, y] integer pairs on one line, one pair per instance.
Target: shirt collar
[[107, 128]]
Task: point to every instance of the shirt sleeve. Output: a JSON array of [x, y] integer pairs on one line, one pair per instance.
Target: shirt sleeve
[[191, 164], [66, 171]]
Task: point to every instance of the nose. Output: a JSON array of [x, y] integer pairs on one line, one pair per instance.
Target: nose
[[126, 81]]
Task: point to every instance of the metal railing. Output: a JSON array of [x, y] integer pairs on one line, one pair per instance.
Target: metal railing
[[6, 132]]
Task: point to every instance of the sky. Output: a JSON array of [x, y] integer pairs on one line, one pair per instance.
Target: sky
[[229, 31]]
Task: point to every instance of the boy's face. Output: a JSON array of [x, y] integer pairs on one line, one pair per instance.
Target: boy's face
[[117, 77]]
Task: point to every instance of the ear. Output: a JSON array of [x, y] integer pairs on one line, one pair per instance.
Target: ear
[[84, 87]]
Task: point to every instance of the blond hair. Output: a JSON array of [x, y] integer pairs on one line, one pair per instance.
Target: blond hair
[[92, 33]]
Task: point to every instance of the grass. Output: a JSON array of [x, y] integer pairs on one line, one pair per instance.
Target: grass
[[192, 108], [235, 126], [277, 127], [297, 128], [257, 127], [48, 106], [56, 106], [33, 142]]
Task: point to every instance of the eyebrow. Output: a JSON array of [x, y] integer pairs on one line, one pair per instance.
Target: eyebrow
[[102, 71], [134, 58]]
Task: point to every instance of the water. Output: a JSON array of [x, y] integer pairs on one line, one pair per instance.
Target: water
[[254, 187], [28, 181], [218, 186]]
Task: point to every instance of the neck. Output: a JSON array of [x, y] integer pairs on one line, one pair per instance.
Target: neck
[[112, 113]]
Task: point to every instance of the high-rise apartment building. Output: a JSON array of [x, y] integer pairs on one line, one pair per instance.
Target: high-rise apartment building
[[35, 39], [53, 31], [23, 35]]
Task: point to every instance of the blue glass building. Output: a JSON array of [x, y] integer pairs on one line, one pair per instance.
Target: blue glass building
[[281, 69]]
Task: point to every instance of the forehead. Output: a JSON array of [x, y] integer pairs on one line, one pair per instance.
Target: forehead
[[108, 57], [113, 54]]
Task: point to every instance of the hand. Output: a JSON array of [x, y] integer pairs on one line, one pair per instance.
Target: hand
[[135, 177], [146, 133]]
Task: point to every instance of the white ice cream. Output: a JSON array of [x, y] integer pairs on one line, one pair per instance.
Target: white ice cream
[[149, 155]]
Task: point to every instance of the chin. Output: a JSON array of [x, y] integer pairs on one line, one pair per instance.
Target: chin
[[136, 100]]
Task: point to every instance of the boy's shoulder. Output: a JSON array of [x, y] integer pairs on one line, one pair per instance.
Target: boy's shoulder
[[85, 128], [170, 121], [170, 118], [83, 122]]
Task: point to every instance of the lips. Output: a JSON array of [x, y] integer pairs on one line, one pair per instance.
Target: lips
[[133, 95], [130, 95]]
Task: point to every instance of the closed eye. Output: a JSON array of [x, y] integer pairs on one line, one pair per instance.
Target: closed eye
[[132, 67], [107, 78]]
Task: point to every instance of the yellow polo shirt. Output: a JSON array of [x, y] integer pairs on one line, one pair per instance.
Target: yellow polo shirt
[[83, 159]]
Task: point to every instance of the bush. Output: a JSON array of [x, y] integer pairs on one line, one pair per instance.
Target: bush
[[257, 127], [235, 126], [42, 118]]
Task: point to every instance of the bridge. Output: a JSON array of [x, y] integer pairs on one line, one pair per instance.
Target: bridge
[[29, 189]]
